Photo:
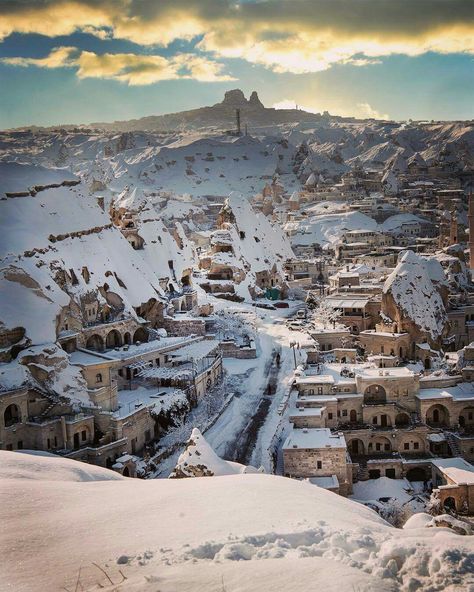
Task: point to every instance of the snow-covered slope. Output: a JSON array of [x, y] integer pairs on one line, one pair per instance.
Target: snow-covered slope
[[236, 532], [412, 285]]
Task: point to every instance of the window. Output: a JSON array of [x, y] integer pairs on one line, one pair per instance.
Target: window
[[98, 378], [416, 445], [344, 413], [83, 435], [55, 441], [319, 464], [387, 447], [20, 445], [378, 446], [406, 446], [329, 415], [320, 391], [48, 445], [311, 391]]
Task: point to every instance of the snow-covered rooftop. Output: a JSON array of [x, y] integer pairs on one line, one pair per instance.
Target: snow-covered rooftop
[[313, 438]]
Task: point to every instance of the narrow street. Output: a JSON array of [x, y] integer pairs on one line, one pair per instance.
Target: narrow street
[[245, 443], [245, 429]]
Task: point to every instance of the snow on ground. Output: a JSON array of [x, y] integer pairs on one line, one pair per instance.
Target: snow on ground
[[384, 489], [236, 533]]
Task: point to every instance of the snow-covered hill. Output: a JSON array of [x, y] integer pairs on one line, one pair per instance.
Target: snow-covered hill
[[192, 152], [241, 532]]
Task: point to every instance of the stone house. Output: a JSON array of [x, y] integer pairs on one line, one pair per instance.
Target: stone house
[[313, 452]]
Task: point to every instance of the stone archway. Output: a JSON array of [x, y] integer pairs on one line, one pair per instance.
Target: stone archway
[[437, 416], [375, 394], [466, 417], [127, 338], [402, 419], [449, 504], [141, 335], [114, 339], [356, 447], [11, 415], [95, 342], [353, 416]]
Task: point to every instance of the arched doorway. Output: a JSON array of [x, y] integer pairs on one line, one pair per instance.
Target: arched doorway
[[126, 472], [437, 416], [466, 417], [127, 338], [427, 363], [140, 335], [95, 342], [382, 420], [449, 504], [353, 416], [402, 419], [356, 447], [375, 395], [11, 415], [114, 339]]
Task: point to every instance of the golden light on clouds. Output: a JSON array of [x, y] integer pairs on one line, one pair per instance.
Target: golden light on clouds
[[130, 68], [297, 36]]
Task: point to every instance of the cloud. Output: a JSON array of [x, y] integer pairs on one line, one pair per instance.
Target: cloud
[[130, 68], [292, 104], [365, 110], [295, 36], [362, 110]]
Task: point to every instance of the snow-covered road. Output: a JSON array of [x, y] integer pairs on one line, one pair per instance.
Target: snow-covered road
[[244, 430], [250, 421]]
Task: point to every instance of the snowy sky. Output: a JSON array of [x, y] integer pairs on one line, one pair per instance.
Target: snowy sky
[[90, 60]]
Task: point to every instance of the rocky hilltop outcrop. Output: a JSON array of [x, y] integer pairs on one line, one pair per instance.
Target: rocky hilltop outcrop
[[218, 116]]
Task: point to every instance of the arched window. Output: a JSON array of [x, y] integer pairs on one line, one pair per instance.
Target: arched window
[[98, 377], [12, 415]]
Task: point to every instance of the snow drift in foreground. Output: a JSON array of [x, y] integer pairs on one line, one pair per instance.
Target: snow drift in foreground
[[236, 532]]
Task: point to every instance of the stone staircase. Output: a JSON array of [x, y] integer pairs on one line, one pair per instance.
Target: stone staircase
[[453, 444], [54, 400], [363, 472]]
